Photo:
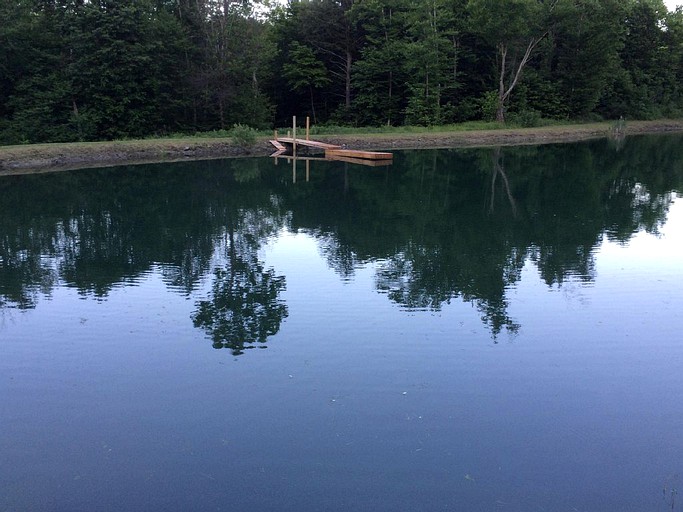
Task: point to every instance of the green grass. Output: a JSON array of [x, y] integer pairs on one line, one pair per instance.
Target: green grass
[[76, 154], [368, 130], [332, 129]]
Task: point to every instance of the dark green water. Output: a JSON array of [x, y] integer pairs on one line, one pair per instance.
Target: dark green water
[[466, 330]]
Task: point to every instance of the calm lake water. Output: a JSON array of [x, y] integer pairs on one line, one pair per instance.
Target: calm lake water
[[466, 330]]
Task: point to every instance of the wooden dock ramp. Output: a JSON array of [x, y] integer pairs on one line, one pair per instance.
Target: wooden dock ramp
[[286, 145], [290, 145], [314, 144]]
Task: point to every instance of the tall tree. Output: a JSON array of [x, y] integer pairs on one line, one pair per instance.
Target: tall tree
[[305, 72], [39, 95], [409, 69], [15, 31], [648, 85], [515, 28], [380, 75], [431, 59], [231, 63], [329, 29], [587, 39]]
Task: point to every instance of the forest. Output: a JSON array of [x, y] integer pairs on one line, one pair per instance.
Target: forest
[[86, 70]]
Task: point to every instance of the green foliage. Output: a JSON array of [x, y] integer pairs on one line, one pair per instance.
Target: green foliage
[[489, 105], [82, 71], [243, 136], [585, 57], [334, 129], [304, 70], [380, 76], [423, 108], [526, 118]]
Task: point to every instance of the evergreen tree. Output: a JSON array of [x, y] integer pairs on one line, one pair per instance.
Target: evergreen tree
[[380, 74], [588, 37]]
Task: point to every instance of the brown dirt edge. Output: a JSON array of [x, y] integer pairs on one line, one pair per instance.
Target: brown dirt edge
[[54, 157]]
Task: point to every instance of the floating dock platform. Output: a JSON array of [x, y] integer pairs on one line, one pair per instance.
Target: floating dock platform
[[357, 154]]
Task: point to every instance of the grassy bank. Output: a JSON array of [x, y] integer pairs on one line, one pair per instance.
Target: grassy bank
[[47, 157]]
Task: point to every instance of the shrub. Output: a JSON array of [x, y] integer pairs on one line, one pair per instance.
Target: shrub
[[526, 118], [243, 136], [489, 106]]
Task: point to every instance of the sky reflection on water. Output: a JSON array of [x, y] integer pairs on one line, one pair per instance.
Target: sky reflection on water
[[425, 346]]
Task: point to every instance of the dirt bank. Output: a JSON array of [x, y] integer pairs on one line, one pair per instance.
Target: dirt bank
[[52, 157]]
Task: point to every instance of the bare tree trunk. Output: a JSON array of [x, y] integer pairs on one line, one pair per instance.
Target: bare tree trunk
[[347, 95], [315, 120], [500, 111], [503, 90], [456, 49]]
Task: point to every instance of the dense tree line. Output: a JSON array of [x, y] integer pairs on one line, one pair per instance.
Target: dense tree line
[[102, 69]]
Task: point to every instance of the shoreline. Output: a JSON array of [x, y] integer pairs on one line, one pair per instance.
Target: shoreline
[[37, 158]]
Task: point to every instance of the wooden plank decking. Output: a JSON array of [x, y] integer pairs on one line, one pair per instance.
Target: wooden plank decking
[[278, 146], [284, 145], [362, 161], [307, 143], [353, 153]]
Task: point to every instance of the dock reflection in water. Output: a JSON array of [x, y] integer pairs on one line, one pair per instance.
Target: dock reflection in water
[[287, 148]]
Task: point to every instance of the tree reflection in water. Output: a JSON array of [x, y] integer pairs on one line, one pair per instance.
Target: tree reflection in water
[[463, 224], [437, 226], [243, 307]]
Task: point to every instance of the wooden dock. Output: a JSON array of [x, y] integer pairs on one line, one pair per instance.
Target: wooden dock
[[362, 161], [308, 159], [278, 146], [289, 146], [353, 153], [285, 146], [290, 141]]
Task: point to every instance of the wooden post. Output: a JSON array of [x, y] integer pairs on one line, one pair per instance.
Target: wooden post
[[308, 127], [294, 135], [294, 169], [275, 133], [308, 171]]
